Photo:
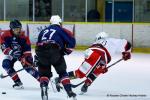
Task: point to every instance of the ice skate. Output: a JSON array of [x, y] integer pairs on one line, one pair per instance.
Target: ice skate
[[44, 93], [84, 89], [71, 96], [57, 84], [18, 85]]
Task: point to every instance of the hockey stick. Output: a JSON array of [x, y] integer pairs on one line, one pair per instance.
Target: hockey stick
[[115, 63], [4, 76], [54, 90], [74, 86]]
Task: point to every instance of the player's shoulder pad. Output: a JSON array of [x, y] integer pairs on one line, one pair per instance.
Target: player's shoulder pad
[[68, 32], [5, 33]]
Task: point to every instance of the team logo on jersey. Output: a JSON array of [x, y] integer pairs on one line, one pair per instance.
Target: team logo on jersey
[[16, 47], [14, 38]]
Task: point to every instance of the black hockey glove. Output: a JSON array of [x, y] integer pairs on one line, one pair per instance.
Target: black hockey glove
[[126, 55], [67, 51], [15, 53]]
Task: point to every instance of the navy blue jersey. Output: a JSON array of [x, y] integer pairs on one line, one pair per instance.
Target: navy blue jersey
[[9, 42], [61, 36]]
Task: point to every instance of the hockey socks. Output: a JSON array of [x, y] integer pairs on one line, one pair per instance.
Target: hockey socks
[[65, 80], [44, 87]]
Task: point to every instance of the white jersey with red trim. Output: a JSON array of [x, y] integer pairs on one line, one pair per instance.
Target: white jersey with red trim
[[101, 52], [113, 45]]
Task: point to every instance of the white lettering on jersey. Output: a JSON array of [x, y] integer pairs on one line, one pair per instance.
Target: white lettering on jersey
[[46, 32]]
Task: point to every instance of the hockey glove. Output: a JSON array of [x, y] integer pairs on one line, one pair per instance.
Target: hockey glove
[[67, 51], [27, 60], [126, 55], [103, 66], [15, 53], [104, 70]]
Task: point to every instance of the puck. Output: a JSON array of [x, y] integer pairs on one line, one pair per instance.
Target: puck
[[3, 92]]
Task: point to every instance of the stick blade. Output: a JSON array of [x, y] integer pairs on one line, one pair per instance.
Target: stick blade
[[1, 76]]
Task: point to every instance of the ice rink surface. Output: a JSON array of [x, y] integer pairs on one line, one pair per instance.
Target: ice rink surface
[[124, 81]]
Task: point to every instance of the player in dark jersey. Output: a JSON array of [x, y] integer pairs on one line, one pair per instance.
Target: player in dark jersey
[[53, 43], [16, 47]]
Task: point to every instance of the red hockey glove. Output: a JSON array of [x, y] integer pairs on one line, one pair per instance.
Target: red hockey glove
[[27, 60], [126, 55], [104, 70], [100, 69]]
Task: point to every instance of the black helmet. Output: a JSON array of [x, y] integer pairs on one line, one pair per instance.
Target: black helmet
[[15, 24]]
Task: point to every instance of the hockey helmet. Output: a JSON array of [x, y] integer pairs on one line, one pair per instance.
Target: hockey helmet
[[55, 19], [15, 26], [101, 35]]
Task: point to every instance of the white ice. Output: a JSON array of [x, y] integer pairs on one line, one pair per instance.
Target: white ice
[[127, 80]]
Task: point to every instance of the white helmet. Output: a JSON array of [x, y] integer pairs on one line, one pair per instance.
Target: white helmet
[[55, 19], [101, 35]]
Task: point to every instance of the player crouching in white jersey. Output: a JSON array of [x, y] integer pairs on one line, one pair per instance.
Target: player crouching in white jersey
[[97, 56]]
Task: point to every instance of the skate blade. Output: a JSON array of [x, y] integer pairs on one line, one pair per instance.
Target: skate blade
[[72, 98], [18, 87], [81, 93], [44, 98]]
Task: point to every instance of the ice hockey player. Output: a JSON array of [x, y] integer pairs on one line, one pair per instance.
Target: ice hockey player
[[16, 47], [53, 43], [97, 56]]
